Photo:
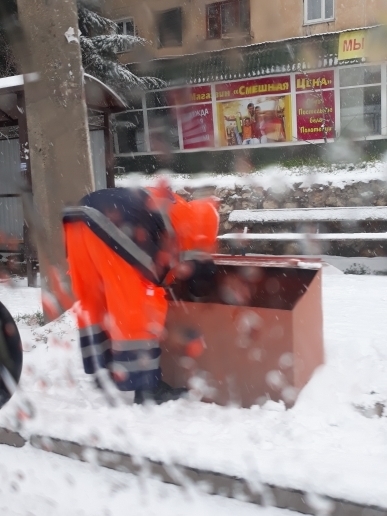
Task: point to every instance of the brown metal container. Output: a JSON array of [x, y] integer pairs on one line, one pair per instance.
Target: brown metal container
[[261, 320]]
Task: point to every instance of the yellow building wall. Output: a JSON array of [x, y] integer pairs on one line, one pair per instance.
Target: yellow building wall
[[271, 20]]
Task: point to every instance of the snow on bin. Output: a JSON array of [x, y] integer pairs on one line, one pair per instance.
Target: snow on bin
[[261, 319]]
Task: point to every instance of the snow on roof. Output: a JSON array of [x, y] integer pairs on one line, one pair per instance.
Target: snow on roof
[[16, 82], [310, 214], [118, 100], [11, 82]]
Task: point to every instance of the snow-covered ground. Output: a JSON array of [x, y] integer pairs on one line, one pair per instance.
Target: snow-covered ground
[[325, 444], [358, 264], [348, 214], [37, 483], [275, 176]]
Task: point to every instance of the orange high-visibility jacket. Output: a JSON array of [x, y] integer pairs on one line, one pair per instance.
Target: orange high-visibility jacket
[[116, 241], [156, 225]]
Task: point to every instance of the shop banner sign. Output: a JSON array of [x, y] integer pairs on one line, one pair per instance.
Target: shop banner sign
[[315, 81], [194, 111], [197, 126], [254, 112], [315, 105], [315, 115], [189, 95], [352, 46], [253, 88]]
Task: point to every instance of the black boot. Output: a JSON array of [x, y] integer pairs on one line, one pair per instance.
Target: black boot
[[162, 393]]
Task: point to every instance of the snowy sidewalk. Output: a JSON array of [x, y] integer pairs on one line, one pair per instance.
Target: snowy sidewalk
[[38, 483], [323, 445]]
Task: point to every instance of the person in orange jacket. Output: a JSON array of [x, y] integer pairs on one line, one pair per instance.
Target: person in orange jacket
[[123, 245]]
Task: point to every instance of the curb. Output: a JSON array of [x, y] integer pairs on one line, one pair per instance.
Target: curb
[[183, 476], [11, 438]]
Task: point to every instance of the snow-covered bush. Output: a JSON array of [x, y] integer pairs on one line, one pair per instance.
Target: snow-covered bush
[[7, 62], [358, 269], [100, 43]]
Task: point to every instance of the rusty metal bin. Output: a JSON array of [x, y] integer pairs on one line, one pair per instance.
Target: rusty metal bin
[[266, 348]]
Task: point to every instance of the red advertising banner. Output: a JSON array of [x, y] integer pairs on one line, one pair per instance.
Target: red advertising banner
[[197, 126], [316, 81], [253, 88], [189, 95], [315, 115]]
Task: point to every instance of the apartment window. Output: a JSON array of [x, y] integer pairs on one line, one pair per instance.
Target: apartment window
[[170, 28], [360, 101], [228, 18], [126, 27], [317, 11]]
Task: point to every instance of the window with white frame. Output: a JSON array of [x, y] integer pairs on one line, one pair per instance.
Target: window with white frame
[[317, 11], [360, 101], [126, 27]]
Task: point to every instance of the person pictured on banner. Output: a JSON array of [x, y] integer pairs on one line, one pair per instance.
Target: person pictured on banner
[[243, 128], [247, 130], [270, 120], [234, 129], [281, 116], [258, 127], [251, 110], [234, 137], [250, 113]]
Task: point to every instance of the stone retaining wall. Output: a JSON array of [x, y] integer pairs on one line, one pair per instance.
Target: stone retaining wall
[[372, 193]]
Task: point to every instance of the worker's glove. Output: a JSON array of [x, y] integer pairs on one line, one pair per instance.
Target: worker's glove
[[193, 342], [201, 279]]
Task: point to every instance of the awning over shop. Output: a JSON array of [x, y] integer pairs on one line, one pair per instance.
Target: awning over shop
[[309, 52]]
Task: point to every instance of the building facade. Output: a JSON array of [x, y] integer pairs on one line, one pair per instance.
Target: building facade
[[292, 75], [177, 27]]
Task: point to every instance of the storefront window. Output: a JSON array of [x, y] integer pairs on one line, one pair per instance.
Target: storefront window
[[157, 99], [359, 75], [361, 110], [130, 134], [254, 112], [360, 101], [163, 130]]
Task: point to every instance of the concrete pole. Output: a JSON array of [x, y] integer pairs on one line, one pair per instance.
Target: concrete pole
[[30, 253], [59, 145]]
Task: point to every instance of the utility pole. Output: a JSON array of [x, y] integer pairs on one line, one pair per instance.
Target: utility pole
[[58, 134]]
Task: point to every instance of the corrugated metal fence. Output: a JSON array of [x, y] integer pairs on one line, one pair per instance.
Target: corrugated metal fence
[[11, 211]]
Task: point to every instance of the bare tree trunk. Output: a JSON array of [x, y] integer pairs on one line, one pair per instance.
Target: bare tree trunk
[[58, 134]]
